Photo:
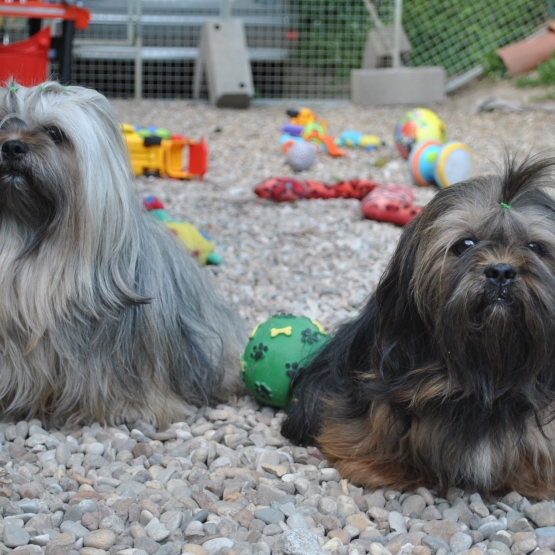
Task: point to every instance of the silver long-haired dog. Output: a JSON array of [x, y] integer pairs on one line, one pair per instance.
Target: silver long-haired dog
[[103, 314]]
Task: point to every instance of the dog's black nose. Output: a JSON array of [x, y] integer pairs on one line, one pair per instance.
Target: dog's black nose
[[500, 274], [12, 150]]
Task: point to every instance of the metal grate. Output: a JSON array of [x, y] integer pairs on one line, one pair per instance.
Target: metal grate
[[298, 48]]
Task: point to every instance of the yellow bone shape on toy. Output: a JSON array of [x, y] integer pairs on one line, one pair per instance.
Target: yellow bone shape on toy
[[278, 331]]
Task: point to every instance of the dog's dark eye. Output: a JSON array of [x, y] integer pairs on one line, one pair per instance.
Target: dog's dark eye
[[461, 246], [55, 134], [537, 248]]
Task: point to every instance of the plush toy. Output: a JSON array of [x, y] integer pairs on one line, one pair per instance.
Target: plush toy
[[387, 203], [198, 243], [277, 349]]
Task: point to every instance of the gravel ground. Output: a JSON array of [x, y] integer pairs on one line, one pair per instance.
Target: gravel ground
[[224, 481]]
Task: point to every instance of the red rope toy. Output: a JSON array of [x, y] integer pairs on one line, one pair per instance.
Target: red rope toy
[[383, 203]]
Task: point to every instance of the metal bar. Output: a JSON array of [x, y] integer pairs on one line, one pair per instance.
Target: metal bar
[[138, 50], [225, 9], [397, 33], [463, 79]]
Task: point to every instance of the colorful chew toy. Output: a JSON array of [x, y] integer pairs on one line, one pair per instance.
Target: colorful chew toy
[[431, 163], [154, 151], [198, 243], [383, 203], [277, 349], [355, 138], [390, 203], [285, 189], [417, 125], [301, 155], [303, 117], [315, 133]]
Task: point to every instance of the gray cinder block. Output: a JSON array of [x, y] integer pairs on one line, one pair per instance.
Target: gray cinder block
[[400, 85], [223, 55], [379, 46]]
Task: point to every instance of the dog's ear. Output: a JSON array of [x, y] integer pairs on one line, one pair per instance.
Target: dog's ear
[[388, 337], [402, 338]]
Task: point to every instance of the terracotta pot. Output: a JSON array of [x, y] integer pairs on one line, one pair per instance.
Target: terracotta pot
[[527, 54]]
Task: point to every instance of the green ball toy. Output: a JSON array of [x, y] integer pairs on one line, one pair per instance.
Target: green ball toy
[[277, 349]]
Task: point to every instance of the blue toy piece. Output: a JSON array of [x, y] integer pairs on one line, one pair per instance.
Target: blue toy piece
[[454, 164], [356, 138], [287, 140], [422, 160], [433, 163]]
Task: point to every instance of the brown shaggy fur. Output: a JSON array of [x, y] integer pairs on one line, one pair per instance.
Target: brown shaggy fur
[[447, 377]]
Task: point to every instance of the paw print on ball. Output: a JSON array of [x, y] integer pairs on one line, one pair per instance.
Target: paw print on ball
[[263, 390], [291, 368], [258, 351], [309, 336]]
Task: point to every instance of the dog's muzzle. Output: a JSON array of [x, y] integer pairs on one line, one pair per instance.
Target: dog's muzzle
[[501, 279], [13, 150]]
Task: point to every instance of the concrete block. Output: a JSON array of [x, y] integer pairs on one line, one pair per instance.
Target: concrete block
[[401, 85], [223, 55], [379, 47]]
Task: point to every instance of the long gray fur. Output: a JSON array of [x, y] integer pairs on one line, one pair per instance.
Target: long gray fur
[[103, 314]]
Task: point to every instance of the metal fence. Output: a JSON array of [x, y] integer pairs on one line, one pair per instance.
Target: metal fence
[[297, 48]]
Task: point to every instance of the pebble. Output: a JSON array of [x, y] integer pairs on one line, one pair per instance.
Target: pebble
[[297, 520], [434, 543], [112, 522], [15, 536], [545, 531], [61, 544], [441, 529], [359, 521], [269, 516], [413, 505], [524, 546], [542, 514], [217, 543], [297, 542], [489, 528], [192, 548], [100, 539], [499, 546], [95, 449], [346, 506], [156, 530], [341, 534], [333, 546], [327, 505], [95, 551], [460, 541], [378, 549], [397, 521], [194, 528], [74, 528], [146, 544]]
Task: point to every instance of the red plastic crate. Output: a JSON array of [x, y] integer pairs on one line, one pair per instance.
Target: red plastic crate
[[26, 61]]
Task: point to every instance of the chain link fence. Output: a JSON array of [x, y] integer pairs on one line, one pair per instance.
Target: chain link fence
[[299, 49]]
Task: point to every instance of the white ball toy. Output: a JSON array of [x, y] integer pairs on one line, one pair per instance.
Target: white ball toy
[[301, 155]]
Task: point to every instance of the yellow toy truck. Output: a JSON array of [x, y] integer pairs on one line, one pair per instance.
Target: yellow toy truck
[[156, 152]]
